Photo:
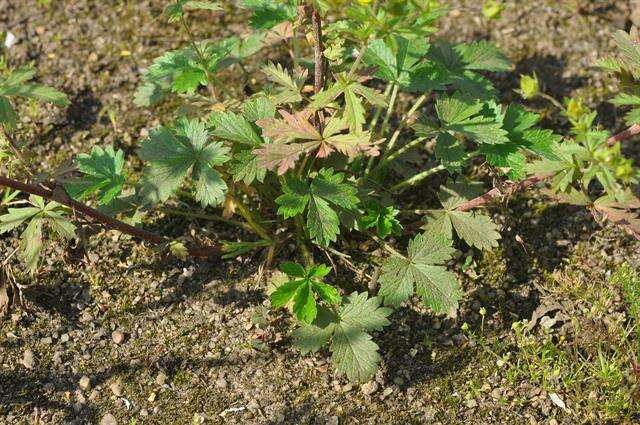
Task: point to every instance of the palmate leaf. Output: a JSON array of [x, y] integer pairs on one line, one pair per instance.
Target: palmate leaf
[[290, 86], [175, 12], [523, 137], [235, 128], [457, 66], [180, 71], [450, 152], [397, 59], [353, 351], [103, 170], [319, 198], [258, 108], [460, 114], [15, 85], [422, 269], [244, 167], [38, 214], [353, 92], [173, 153], [283, 154], [475, 229], [302, 290], [382, 218], [268, 13]]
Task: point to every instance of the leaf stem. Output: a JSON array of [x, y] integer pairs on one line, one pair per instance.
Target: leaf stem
[[392, 104], [417, 178], [316, 23], [209, 217], [251, 221], [394, 138], [399, 152], [307, 257], [553, 101], [59, 195], [372, 126], [203, 62]]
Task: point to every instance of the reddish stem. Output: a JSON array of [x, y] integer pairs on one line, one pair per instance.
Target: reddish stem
[[60, 196], [626, 134], [522, 185]]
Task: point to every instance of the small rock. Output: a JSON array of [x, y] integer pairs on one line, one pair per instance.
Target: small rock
[[116, 388], [471, 404], [93, 396], [57, 358], [85, 382], [369, 388], [28, 360], [117, 337], [108, 419], [333, 420], [144, 413], [161, 379], [398, 381], [496, 393], [40, 30], [221, 383], [64, 338]]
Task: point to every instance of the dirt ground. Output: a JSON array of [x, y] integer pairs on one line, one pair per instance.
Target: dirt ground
[[139, 338]]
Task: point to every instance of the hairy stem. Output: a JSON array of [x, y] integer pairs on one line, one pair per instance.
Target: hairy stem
[[316, 23], [374, 122], [253, 223], [16, 150], [417, 178], [552, 100], [307, 257], [209, 217], [394, 138], [390, 108], [203, 62], [59, 195], [400, 152], [524, 184]]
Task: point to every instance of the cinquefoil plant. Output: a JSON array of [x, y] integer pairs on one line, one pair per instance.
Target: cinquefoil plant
[[363, 105]]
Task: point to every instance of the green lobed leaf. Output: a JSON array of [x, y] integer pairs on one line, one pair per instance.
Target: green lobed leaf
[[172, 154], [436, 286], [103, 170]]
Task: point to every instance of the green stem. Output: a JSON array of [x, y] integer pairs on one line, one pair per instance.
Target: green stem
[[203, 216], [400, 152], [307, 258], [417, 178], [553, 101], [356, 63], [405, 120], [203, 62], [423, 175], [392, 104], [372, 126], [246, 214]]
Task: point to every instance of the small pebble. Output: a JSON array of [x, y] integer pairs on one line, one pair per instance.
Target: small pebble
[[28, 360], [369, 388], [117, 337], [116, 388], [108, 419], [85, 382]]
